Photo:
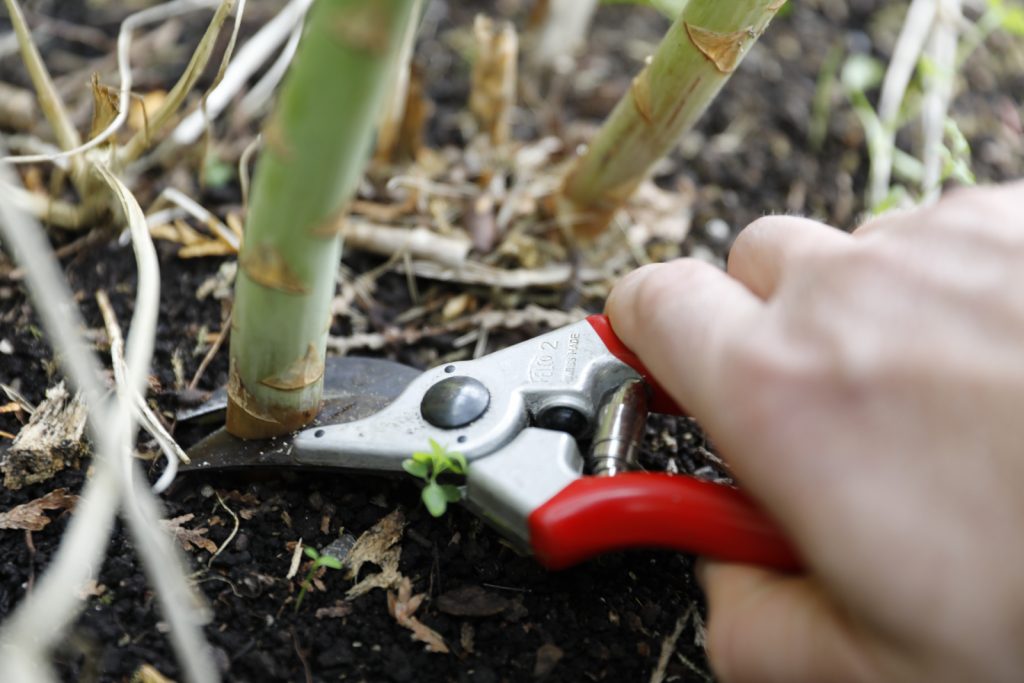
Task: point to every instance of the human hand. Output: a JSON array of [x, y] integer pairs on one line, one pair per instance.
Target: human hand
[[868, 390]]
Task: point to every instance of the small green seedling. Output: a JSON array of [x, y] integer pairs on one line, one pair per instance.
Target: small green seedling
[[319, 560], [428, 466]]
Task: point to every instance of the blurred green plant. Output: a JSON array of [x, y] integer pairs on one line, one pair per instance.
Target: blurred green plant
[[917, 84], [701, 50]]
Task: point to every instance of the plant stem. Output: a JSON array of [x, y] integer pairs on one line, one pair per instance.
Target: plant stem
[[49, 101], [316, 144], [563, 32], [702, 48]]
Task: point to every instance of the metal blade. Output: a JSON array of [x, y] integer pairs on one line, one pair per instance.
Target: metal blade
[[354, 388]]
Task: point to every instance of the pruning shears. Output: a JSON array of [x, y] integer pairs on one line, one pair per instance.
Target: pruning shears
[[550, 429]]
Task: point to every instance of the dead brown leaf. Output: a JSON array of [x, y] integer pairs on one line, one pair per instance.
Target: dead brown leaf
[[30, 516], [403, 605], [471, 601], [104, 110], [379, 546], [189, 539], [12, 407], [338, 610], [140, 108], [548, 655]]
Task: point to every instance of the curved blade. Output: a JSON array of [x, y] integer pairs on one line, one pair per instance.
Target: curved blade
[[354, 388]]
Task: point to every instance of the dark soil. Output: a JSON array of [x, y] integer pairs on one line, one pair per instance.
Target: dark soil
[[605, 620]]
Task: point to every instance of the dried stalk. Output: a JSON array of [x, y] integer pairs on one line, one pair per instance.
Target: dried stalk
[[563, 33], [420, 242], [49, 101], [197, 64], [249, 59], [493, 91], [42, 617]]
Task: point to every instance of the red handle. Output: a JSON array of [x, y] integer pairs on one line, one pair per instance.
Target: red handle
[[595, 515], [661, 402]]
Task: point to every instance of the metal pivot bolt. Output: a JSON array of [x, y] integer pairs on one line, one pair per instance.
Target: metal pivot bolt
[[563, 419], [455, 402], [621, 421]]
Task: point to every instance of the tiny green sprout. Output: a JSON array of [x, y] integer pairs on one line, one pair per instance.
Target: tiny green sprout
[[319, 560], [428, 466]]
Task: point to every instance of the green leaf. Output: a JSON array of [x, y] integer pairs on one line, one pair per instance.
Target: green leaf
[[217, 173], [416, 468], [451, 493], [1012, 19], [311, 552], [329, 561], [439, 452], [861, 73], [434, 499], [457, 461], [420, 456]]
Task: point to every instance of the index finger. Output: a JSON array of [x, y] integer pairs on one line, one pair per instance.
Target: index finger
[[676, 318]]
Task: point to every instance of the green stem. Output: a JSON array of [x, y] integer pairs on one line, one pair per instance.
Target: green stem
[[701, 50], [315, 146]]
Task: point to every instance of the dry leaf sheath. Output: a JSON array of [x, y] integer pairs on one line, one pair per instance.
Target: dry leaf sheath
[[316, 144], [698, 54]]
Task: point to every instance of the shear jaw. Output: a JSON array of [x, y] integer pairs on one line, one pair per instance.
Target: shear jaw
[[555, 382], [505, 488]]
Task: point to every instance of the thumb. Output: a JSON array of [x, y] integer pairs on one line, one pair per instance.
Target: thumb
[[765, 627]]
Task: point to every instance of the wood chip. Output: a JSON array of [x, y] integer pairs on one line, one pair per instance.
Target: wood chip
[[30, 516], [403, 605], [91, 589], [293, 568], [147, 673], [52, 440]]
